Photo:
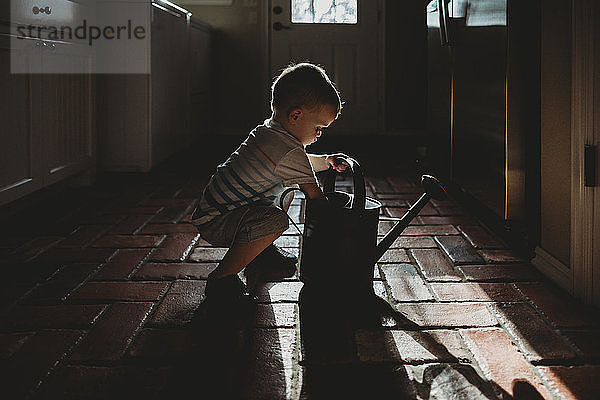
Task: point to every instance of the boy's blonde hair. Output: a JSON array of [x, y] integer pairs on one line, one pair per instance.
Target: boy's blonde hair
[[304, 85]]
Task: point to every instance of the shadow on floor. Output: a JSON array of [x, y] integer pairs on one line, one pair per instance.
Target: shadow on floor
[[233, 355], [333, 369], [218, 352], [236, 353]]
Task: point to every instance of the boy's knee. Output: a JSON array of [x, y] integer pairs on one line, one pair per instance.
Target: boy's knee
[[261, 222], [280, 220]]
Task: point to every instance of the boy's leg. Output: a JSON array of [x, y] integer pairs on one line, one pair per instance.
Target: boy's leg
[[276, 259], [250, 230], [224, 284], [240, 255]]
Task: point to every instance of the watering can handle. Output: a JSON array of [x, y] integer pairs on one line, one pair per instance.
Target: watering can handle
[[282, 206], [359, 198]]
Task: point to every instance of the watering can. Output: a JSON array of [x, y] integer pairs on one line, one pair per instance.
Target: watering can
[[339, 243]]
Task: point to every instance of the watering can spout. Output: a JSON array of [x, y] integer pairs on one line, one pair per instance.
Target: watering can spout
[[434, 189]]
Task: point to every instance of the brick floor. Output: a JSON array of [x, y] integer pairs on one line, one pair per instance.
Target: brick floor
[[407, 346], [435, 265], [104, 299], [179, 303], [573, 382], [122, 264], [529, 330], [155, 345], [109, 337], [501, 361], [405, 283], [176, 247]]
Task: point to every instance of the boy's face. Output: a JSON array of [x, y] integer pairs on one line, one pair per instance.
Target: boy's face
[[306, 124]]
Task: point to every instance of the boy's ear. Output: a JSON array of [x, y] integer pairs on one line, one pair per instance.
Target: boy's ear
[[294, 115]]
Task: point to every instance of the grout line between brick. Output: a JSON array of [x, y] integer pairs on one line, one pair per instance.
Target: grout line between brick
[[517, 344]]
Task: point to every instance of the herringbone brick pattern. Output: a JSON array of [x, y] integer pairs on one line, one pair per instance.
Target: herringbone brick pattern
[[100, 291]]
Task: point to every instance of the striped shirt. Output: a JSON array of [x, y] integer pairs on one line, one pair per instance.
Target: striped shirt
[[257, 172]]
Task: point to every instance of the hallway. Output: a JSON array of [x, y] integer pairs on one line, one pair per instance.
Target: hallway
[[100, 288]]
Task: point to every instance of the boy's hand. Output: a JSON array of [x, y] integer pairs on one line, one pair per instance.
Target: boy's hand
[[313, 191], [335, 161]]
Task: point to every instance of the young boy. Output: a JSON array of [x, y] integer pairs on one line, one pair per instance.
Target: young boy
[[238, 207]]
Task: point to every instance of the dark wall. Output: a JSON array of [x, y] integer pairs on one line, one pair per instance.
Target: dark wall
[[406, 65], [555, 142], [239, 48], [239, 51]]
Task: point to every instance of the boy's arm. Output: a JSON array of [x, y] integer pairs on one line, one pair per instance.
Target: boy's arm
[[321, 162], [318, 161], [313, 191]]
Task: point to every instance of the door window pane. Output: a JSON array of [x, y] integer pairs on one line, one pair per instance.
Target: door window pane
[[324, 11]]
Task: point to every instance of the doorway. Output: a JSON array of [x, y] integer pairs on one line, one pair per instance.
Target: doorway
[[345, 38]]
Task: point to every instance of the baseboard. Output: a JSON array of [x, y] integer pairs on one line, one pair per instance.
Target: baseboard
[[553, 269]]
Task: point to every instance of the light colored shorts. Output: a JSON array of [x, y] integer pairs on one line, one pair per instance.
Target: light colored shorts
[[244, 225]]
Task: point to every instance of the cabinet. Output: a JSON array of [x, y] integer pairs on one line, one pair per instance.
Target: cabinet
[[144, 119], [48, 121]]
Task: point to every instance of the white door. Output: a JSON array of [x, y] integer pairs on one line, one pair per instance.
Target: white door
[[344, 37]]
